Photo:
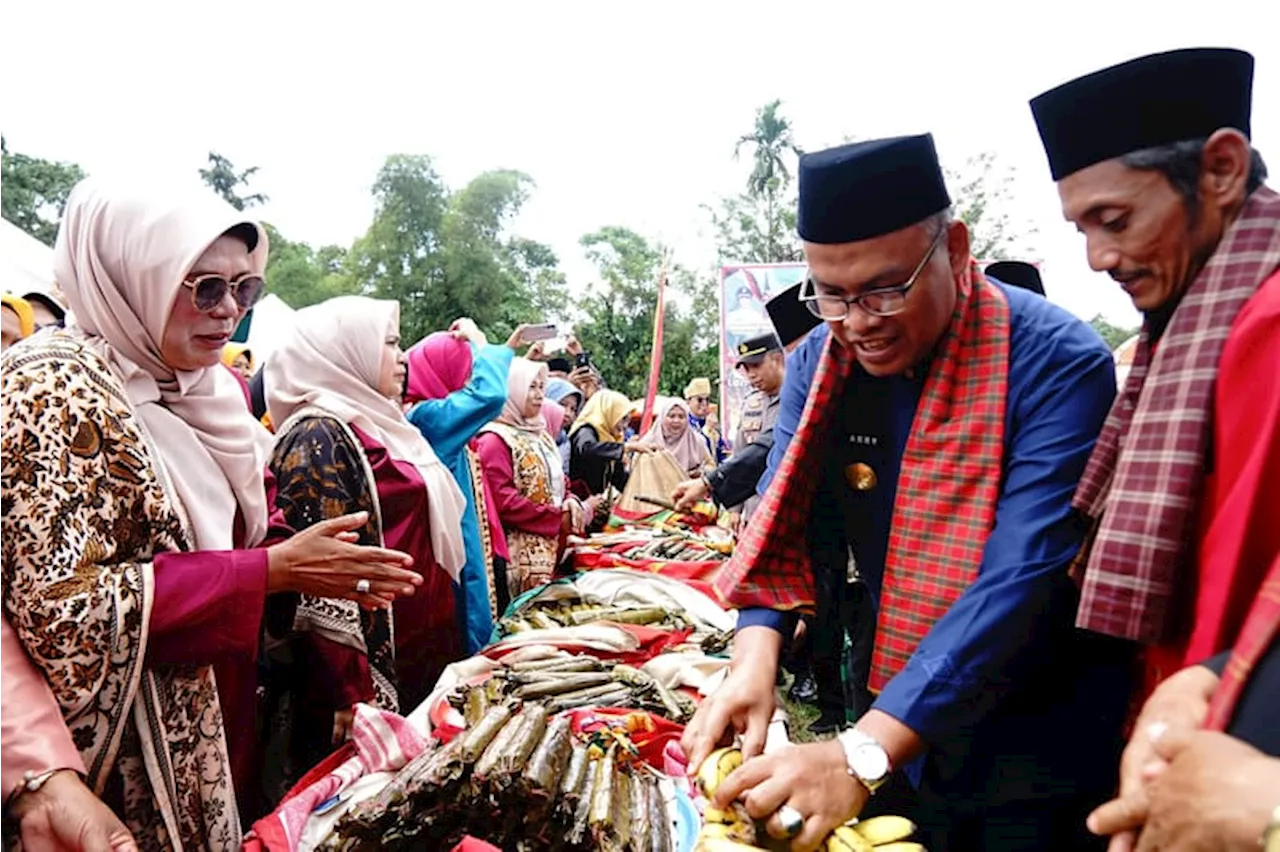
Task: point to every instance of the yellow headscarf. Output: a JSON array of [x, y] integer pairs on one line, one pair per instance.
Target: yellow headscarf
[[602, 412], [232, 351], [26, 316]]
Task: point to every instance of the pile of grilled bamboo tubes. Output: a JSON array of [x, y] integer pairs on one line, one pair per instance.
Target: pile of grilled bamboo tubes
[[520, 780]]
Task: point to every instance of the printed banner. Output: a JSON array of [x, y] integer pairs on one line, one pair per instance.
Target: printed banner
[[744, 289]]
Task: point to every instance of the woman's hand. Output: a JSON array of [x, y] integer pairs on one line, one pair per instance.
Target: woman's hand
[[584, 379], [65, 816], [465, 328], [324, 560], [637, 446], [577, 515], [537, 352], [343, 721], [572, 346], [516, 340]]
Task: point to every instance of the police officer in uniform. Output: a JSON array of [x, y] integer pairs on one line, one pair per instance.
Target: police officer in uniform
[[762, 361]]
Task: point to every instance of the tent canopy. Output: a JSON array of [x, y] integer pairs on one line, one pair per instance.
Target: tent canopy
[[270, 318], [26, 264]]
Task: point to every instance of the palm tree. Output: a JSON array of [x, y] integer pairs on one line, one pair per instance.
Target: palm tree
[[771, 139]]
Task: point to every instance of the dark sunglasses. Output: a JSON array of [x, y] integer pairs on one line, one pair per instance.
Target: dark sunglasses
[[699, 399], [208, 291]]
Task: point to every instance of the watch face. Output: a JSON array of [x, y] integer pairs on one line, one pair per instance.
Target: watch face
[[869, 761]]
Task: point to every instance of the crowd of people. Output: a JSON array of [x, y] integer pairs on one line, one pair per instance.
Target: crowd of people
[[1046, 586]]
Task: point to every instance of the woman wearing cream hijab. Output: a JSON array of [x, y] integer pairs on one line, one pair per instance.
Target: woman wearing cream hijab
[[523, 470], [343, 446], [132, 472]]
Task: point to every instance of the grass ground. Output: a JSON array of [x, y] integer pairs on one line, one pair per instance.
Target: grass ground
[[801, 715]]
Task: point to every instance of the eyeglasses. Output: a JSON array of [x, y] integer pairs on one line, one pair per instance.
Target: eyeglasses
[[884, 302], [208, 291], [699, 399]]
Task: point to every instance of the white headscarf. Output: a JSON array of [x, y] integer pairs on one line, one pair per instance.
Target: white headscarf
[[522, 376], [121, 257], [331, 359]]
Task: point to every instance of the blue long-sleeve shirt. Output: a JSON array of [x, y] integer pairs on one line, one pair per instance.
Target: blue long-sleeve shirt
[[448, 425], [1000, 635]]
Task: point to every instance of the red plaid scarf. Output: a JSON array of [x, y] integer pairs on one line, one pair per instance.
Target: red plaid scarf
[[1259, 631], [1144, 478], [947, 488]]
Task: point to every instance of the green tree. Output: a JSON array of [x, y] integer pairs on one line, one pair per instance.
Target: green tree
[[400, 256], [759, 226], [302, 275], [445, 254], [981, 192], [618, 314], [227, 182], [1112, 335], [35, 192], [771, 143]]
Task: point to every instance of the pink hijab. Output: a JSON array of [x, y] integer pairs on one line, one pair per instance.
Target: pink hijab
[[439, 364], [553, 413]]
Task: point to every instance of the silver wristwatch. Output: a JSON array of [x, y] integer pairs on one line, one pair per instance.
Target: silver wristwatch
[[865, 758]]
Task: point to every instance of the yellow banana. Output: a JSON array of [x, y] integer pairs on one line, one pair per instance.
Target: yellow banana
[[885, 829], [845, 839], [901, 846], [739, 832], [735, 813], [718, 765], [720, 844]]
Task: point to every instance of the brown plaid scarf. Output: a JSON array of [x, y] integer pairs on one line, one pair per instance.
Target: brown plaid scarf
[[1143, 481], [947, 489]]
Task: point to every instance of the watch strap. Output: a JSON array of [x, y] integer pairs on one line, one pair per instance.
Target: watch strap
[[851, 740]]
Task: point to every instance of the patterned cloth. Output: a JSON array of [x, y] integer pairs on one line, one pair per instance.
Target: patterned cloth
[[322, 472], [533, 556], [1259, 631], [381, 742], [86, 508], [946, 501], [1144, 478]]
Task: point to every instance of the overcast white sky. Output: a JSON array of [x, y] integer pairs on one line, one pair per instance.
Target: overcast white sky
[[624, 113]]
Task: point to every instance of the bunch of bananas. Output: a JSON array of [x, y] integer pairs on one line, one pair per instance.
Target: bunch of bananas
[[733, 830]]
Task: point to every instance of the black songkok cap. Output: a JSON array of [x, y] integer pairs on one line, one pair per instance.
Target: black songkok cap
[[867, 189], [754, 349], [1147, 102], [791, 319], [1016, 273]]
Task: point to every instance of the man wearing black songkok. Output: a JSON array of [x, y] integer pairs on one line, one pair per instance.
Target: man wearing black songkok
[[931, 434], [1155, 167]]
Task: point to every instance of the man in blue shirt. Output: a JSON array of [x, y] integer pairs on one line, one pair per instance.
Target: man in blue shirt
[[1001, 715]]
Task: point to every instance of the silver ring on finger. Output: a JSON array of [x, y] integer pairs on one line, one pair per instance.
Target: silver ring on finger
[[363, 586], [790, 820]]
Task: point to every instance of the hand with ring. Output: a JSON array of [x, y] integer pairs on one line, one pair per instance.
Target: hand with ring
[[806, 785], [785, 823], [325, 560]]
